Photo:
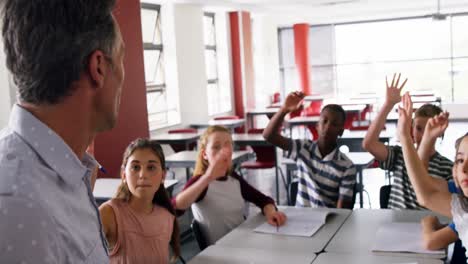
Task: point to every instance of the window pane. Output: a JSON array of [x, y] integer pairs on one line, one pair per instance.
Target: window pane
[[213, 98], [460, 79], [321, 46], [287, 48], [392, 40], [460, 36], [370, 78], [211, 64], [322, 79], [291, 80], [209, 30], [148, 25], [154, 67]]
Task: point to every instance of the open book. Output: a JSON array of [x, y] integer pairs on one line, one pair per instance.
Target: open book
[[303, 223], [402, 238]]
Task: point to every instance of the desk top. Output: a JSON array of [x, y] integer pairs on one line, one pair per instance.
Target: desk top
[[363, 224], [244, 236], [333, 258], [231, 255], [175, 138], [106, 188], [187, 158]]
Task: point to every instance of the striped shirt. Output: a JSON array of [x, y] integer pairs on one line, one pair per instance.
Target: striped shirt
[[322, 180], [402, 195]]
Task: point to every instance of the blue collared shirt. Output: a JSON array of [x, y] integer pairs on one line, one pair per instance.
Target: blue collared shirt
[[47, 210]]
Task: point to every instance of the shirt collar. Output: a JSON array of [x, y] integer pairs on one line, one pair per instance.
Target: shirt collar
[[50, 147], [331, 156]]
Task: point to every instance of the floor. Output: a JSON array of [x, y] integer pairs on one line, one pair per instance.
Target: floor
[[264, 180]]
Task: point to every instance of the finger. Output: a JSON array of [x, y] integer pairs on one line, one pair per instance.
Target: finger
[[386, 81], [403, 84], [393, 80], [398, 80]]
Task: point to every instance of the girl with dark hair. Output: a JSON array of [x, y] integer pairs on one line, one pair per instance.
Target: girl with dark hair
[[139, 222], [431, 192]]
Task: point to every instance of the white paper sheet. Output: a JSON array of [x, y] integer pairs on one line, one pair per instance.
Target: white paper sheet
[[299, 223], [401, 237]]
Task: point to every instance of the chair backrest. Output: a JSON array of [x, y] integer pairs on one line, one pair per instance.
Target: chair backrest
[[225, 117], [197, 232], [264, 153], [384, 196]]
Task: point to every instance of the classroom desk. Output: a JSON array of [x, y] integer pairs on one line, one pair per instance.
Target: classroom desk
[[105, 188], [244, 237], [257, 140], [358, 233], [231, 255], [361, 160], [187, 159], [301, 121], [258, 111], [333, 258], [177, 138], [229, 123]]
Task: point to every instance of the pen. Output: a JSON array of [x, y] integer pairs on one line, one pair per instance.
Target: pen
[[101, 168]]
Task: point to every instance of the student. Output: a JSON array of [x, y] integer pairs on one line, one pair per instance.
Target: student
[[431, 192], [216, 194], [139, 222], [326, 176], [66, 60], [390, 158]]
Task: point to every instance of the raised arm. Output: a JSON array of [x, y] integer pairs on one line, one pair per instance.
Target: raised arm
[[194, 189], [428, 190], [371, 142], [435, 128], [272, 131]]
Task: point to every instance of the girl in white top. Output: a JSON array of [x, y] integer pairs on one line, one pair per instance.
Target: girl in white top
[[431, 192], [216, 194]]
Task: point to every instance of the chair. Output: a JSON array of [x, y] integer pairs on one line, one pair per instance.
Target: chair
[[197, 232], [231, 117], [384, 196], [181, 147]]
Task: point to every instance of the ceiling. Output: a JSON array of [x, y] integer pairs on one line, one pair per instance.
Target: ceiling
[[287, 12]]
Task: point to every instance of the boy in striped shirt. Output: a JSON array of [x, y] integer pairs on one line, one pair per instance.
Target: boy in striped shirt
[[326, 176], [402, 195]]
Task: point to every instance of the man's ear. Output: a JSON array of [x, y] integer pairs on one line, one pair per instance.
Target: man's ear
[[97, 64]]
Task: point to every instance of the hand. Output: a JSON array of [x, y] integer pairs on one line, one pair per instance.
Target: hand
[[431, 222], [437, 125], [405, 117], [293, 101], [220, 164], [274, 218], [393, 95]]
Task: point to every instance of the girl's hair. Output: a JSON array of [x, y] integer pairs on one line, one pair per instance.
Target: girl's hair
[[161, 197], [202, 164], [462, 198]]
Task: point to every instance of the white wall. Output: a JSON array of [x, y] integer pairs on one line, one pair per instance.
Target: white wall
[[6, 90]]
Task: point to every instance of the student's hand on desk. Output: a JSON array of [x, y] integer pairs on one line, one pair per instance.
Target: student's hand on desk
[[293, 101], [405, 115], [274, 218], [431, 222], [437, 125], [393, 95]]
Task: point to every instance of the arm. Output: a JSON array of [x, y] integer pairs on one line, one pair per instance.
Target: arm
[[194, 188], [436, 236], [428, 192], [435, 128], [371, 141], [109, 224], [271, 132]]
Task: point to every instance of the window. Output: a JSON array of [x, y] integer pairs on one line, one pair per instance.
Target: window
[[161, 112], [219, 99], [354, 58]]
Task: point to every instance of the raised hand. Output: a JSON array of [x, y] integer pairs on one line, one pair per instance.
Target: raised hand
[[393, 95], [293, 101], [220, 164], [405, 115], [437, 125]]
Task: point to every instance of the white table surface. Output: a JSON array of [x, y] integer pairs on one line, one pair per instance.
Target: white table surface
[[334, 258], [244, 236], [231, 255], [358, 233], [106, 188]]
